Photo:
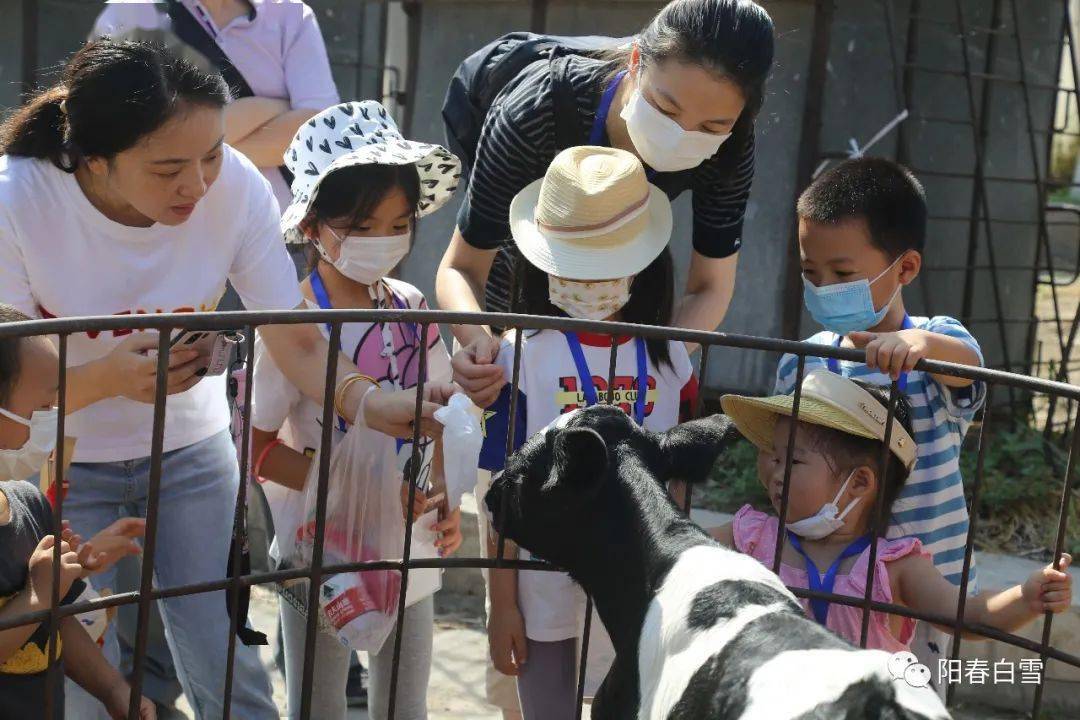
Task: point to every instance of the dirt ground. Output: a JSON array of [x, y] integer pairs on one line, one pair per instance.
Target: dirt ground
[[456, 691]]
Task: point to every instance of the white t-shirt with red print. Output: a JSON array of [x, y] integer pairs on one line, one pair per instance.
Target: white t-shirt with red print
[[549, 385], [60, 257]]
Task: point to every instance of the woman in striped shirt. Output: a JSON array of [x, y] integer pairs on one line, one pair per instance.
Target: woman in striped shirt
[[682, 97]]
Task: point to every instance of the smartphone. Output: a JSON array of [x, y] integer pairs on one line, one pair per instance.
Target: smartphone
[[214, 347]]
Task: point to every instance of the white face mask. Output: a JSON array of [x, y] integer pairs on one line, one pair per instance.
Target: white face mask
[[661, 142], [367, 259], [827, 520], [28, 460], [593, 300]]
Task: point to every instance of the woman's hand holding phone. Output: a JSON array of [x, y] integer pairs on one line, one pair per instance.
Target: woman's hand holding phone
[[130, 369]]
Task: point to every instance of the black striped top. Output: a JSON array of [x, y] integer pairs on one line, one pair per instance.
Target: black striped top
[[518, 143]]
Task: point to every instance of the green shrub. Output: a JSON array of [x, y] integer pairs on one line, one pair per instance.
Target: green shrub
[[733, 482]]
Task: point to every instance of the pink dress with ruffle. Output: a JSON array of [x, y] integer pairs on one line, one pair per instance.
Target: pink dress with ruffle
[[755, 535]]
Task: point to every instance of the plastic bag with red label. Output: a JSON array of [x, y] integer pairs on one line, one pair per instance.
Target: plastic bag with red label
[[364, 522]]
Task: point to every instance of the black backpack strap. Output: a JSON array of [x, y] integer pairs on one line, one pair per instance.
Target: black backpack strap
[[192, 33], [564, 105]]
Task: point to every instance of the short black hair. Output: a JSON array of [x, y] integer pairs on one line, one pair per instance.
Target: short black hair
[[9, 353], [883, 193], [845, 452]]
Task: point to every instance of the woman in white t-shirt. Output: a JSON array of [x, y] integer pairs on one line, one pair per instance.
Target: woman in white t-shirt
[[118, 196]]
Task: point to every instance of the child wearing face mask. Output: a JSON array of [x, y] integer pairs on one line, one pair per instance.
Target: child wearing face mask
[[834, 489], [862, 228], [592, 241], [359, 188], [29, 368]]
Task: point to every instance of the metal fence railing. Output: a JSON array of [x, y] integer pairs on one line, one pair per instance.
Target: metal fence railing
[[166, 323]]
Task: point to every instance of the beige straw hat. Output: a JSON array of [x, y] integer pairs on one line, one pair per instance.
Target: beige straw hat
[[829, 400], [593, 216]]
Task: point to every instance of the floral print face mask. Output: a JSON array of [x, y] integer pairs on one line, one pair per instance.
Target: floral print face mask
[[589, 300]]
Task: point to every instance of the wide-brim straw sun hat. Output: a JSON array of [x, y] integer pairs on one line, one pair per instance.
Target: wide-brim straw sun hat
[[362, 133], [828, 400], [593, 216]]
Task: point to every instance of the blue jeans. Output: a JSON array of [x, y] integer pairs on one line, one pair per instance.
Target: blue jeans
[[195, 517]]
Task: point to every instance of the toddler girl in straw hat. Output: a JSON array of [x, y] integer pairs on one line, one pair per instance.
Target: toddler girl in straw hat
[[834, 492], [592, 240]]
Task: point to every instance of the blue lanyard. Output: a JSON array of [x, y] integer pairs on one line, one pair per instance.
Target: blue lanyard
[[827, 582], [318, 289], [598, 134], [321, 297], [589, 389], [834, 365]]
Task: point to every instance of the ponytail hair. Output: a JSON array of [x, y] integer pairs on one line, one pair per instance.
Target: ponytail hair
[[111, 95]]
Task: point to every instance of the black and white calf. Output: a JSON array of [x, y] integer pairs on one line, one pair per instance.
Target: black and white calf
[[700, 632]]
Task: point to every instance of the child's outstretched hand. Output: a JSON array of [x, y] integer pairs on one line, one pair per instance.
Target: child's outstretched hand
[[106, 548], [448, 529], [892, 353], [506, 639], [1050, 590], [419, 506], [41, 569]]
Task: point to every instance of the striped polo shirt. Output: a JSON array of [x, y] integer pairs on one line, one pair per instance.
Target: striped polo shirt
[[931, 505], [518, 143]]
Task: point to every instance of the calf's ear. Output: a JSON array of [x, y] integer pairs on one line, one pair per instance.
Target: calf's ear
[[691, 449], [579, 459]]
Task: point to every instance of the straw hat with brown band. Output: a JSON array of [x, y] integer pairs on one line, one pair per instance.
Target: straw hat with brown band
[[593, 216], [829, 400]]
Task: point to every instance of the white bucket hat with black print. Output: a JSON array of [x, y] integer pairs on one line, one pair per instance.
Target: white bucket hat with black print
[[362, 133]]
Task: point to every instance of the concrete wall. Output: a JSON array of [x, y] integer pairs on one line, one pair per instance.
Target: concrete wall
[[860, 97]]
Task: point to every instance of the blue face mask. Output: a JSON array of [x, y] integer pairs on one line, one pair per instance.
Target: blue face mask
[[846, 307]]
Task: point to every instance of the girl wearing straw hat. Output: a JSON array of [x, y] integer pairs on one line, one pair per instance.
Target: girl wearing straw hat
[[358, 191], [682, 97], [833, 494], [592, 237]]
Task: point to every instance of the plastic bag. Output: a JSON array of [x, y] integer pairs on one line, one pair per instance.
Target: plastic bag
[[461, 442], [364, 522]]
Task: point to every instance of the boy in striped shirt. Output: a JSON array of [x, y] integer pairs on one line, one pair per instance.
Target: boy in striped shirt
[[862, 228]]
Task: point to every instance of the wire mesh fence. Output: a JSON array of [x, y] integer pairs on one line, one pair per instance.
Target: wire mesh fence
[[165, 324]]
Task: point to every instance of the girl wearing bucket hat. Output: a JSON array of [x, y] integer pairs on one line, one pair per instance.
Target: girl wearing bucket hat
[[834, 490], [359, 188], [592, 235], [682, 95]]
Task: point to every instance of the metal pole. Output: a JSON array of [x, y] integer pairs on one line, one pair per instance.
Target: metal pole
[[406, 551], [146, 587], [809, 149], [240, 519], [800, 372], [879, 521], [1059, 547], [969, 545], [980, 184], [55, 669], [316, 568]]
